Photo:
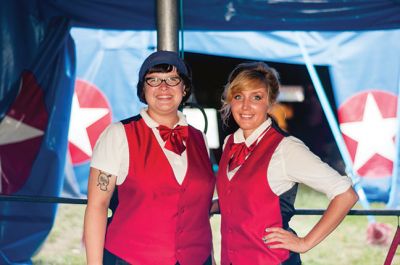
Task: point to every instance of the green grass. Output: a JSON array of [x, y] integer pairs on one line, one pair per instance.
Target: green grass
[[64, 244], [345, 246]]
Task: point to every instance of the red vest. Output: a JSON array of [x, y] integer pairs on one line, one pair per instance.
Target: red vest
[[248, 206], [158, 221]]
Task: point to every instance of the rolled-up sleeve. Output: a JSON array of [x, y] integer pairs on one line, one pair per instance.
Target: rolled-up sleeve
[[108, 152], [303, 166]]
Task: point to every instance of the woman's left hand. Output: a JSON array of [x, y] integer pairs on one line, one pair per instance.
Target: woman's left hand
[[277, 237], [337, 209]]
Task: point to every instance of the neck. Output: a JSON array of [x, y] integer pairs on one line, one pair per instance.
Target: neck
[[247, 133]]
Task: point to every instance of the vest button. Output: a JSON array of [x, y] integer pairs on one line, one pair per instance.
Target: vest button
[[229, 191]]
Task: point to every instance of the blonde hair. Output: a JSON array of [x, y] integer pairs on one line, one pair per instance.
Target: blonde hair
[[246, 76]]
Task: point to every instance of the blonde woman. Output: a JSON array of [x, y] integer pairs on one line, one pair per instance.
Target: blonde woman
[[258, 174]]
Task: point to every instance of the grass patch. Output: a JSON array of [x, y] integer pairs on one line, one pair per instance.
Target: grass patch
[[346, 245], [64, 243]]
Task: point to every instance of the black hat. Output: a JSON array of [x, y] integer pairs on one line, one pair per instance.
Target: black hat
[[163, 57]]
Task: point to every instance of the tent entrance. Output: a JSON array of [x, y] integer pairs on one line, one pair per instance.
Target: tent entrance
[[307, 120]]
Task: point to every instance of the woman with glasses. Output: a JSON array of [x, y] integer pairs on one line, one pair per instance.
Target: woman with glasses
[[160, 168], [258, 174]]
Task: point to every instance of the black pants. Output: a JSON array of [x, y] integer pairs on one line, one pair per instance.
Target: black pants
[[294, 259], [208, 261], [111, 259]]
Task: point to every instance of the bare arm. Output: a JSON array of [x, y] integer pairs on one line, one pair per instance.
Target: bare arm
[[333, 216], [100, 189]]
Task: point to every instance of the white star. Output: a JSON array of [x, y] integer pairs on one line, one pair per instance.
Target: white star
[[81, 118], [14, 131], [374, 134]]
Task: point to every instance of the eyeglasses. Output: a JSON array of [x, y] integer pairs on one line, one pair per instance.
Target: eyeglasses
[[156, 81]]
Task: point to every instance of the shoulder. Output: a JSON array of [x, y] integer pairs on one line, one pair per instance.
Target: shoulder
[[131, 119], [113, 133], [110, 143], [291, 145], [113, 130], [294, 141], [277, 128]]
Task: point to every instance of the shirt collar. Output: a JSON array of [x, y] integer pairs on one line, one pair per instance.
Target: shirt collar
[[153, 124], [238, 136]]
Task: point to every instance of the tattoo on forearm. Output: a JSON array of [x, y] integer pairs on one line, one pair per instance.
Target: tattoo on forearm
[[103, 180]]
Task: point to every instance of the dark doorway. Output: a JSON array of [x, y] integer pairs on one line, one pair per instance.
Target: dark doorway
[[308, 122]]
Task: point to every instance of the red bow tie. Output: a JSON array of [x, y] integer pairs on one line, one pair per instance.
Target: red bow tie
[[238, 154], [174, 138]]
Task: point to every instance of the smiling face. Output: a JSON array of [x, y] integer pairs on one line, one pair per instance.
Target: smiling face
[[251, 90], [163, 100], [249, 107]]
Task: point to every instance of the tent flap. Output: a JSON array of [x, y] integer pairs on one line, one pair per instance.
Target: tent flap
[[234, 15]]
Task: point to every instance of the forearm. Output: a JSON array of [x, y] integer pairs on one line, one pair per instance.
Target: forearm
[[333, 216], [94, 233]]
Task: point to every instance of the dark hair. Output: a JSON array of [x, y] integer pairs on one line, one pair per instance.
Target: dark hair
[[243, 77], [166, 68]]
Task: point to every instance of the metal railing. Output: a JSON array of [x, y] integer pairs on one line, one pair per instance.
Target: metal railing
[[49, 199], [380, 212]]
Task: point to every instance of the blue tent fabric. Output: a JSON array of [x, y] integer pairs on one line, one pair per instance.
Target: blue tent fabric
[[349, 56], [37, 73], [36, 47], [109, 60], [13, 60], [394, 198], [357, 61], [234, 15]]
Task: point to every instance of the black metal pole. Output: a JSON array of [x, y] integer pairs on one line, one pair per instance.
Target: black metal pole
[[167, 25], [49, 199]]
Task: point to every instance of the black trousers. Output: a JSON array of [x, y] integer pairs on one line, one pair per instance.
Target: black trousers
[[294, 259], [208, 261], [111, 259]]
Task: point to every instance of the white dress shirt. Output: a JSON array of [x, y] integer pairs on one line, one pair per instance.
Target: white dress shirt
[[111, 153], [291, 163]]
